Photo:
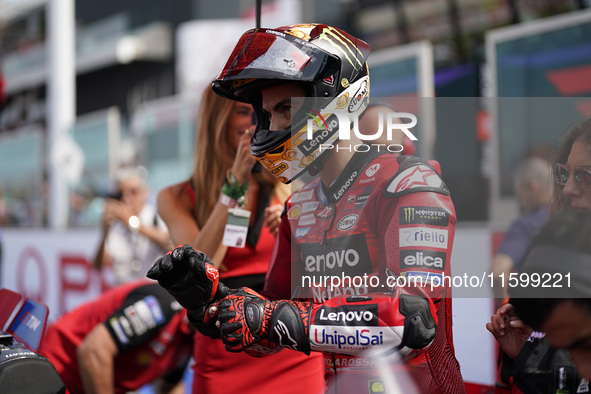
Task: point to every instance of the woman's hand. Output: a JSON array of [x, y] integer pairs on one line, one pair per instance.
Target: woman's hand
[[244, 160], [273, 217]]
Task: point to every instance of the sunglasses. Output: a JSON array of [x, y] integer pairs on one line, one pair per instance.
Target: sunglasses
[[562, 173]]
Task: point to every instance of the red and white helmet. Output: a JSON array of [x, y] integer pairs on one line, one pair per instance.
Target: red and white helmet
[[331, 66]]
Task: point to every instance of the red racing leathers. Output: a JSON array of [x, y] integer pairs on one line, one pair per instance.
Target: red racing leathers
[[384, 218]]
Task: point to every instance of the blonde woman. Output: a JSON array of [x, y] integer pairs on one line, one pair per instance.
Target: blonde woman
[[196, 212]]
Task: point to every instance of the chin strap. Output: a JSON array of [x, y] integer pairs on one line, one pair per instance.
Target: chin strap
[[315, 168]]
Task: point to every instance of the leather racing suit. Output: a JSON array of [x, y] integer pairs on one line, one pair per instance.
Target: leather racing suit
[[386, 217]]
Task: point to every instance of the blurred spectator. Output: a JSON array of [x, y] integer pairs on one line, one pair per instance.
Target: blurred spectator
[[78, 206], [86, 208], [572, 190], [132, 335], [133, 236], [4, 213], [2, 94], [562, 315], [532, 184]]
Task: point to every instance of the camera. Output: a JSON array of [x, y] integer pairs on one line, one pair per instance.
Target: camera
[[22, 370]]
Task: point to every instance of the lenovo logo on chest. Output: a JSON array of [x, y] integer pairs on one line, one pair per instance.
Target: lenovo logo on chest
[[338, 259], [342, 254]]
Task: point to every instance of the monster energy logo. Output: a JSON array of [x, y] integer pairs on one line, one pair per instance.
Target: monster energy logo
[[344, 41], [409, 214], [424, 215]]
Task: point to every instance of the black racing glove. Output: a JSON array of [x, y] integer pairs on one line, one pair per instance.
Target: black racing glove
[[191, 278], [245, 317]]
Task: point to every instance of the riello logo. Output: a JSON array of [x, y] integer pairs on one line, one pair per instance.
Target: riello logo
[[388, 122]]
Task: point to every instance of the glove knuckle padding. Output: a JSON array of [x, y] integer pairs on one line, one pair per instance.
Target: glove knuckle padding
[[287, 328], [419, 324], [254, 312]]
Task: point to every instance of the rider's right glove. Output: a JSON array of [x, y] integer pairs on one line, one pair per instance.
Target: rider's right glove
[[191, 278]]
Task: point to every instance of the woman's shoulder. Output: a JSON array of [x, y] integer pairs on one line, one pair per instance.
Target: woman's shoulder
[[182, 193], [177, 188]]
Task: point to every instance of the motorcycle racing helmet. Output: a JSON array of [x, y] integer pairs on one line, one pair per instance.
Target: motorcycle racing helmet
[[331, 66]]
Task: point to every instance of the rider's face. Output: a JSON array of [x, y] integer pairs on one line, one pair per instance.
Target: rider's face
[[277, 103]]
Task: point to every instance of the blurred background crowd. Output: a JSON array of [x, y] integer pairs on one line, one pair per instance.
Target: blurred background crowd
[[91, 90], [140, 67]]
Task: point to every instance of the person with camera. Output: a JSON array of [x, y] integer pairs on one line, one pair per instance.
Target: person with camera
[[133, 236]]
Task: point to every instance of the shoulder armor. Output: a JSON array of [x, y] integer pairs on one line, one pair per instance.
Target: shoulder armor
[[415, 175]]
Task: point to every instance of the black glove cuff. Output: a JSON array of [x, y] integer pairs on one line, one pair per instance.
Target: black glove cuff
[[419, 325], [287, 328]]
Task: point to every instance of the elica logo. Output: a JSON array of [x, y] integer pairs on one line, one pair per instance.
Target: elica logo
[[347, 315], [422, 259], [342, 120]]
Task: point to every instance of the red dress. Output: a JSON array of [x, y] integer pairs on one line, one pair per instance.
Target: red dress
[[219, 371]]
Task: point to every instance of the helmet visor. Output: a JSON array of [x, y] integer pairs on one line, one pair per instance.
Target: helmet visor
[[271, 54]]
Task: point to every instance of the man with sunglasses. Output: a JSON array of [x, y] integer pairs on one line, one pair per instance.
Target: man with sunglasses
[[367, 215]]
